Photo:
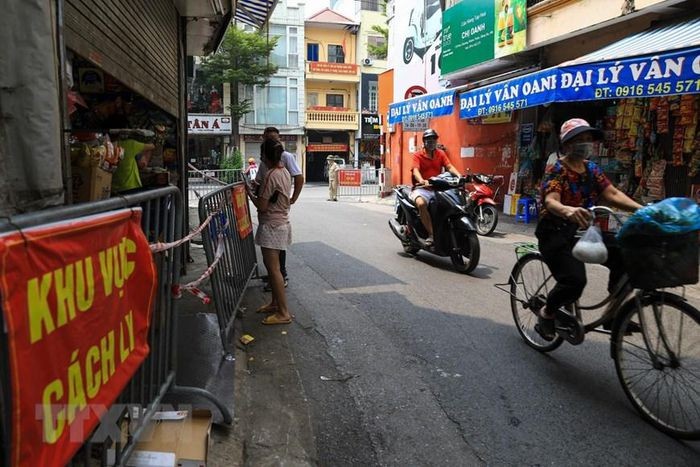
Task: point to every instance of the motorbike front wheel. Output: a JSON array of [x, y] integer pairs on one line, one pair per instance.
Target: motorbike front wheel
[[486, 219], [468, 258], [408, 50]]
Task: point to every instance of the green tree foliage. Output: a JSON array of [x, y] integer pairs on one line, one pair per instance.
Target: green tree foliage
[[242, 59], [380, 51], [232, 161]]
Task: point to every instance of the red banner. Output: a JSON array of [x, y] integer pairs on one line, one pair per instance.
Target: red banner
[[334, 68], [240, 208], [326, 147], [352, 177], [77, 299]]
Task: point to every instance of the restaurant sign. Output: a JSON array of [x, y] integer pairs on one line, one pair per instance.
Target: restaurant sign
[[672, 73], [204, 124]]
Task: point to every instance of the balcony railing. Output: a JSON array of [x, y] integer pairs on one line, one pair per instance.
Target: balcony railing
[[332, 118]]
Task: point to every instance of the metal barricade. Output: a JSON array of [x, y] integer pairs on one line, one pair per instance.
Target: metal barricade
[[201, 182], [238, 263], [359, 182], [162, 221]]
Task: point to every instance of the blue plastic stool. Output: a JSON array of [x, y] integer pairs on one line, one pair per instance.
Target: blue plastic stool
[[526, 210]]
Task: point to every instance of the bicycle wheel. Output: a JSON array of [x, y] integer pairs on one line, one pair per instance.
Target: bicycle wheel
[[530, 283], [659, 368]]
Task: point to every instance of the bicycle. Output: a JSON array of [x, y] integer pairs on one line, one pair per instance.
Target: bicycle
[[643, 325]]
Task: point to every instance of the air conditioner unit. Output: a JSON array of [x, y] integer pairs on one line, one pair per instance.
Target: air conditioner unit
[[367, 62]]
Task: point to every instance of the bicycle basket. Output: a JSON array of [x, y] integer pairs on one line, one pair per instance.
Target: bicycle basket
[[654, 262]]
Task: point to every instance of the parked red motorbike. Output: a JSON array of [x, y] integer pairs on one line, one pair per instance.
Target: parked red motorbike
[[481, 197]]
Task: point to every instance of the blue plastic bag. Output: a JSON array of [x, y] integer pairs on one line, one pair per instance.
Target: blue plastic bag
[[672, 216]]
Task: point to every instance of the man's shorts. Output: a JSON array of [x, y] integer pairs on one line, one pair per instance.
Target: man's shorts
[[427, 194]]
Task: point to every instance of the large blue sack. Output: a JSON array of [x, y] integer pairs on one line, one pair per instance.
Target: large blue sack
[[672, 216]]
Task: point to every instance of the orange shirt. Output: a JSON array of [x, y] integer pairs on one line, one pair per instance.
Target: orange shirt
[[430, 167]]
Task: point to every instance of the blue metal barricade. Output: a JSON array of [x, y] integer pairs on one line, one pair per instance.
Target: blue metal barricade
[[162, 221], [238, 263]]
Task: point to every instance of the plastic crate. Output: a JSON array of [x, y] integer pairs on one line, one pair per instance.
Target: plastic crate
[[654, 262]]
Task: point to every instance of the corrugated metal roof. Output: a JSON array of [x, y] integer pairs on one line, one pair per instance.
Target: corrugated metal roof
[[679, 35], [254, 12]]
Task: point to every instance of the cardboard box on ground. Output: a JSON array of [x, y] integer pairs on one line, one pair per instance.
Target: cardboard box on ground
[[93, 160], [173, 439]]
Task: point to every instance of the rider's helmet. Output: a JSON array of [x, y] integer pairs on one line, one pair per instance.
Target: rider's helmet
[[574, 127], [430, 133]]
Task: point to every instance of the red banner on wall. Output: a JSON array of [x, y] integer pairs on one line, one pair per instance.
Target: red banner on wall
[[77, 299], [240, 208], [333, 68], [326, 147], [351, 177]]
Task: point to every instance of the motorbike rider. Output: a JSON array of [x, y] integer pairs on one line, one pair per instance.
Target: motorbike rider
[[428, 162], [570, 186]]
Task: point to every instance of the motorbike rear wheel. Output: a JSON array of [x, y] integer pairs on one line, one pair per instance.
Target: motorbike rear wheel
[[486, 223], [468, 258]]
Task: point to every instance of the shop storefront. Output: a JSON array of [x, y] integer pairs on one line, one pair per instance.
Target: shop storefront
[[251, 145], [124, 102], [647, 106], [369, 146], [319, 146], [208, 137], [484, 145]]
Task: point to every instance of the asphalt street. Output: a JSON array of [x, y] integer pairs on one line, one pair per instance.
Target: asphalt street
[[403, 361]]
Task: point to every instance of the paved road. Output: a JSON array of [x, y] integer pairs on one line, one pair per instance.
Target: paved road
[[438, 374]]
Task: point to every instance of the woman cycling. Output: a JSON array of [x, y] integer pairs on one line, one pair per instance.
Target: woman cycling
[[570, 187]]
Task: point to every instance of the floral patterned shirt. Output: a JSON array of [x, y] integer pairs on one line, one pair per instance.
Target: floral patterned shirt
[[575, 189]]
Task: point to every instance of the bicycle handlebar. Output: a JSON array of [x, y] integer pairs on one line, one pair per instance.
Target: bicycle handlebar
[[607, 210]]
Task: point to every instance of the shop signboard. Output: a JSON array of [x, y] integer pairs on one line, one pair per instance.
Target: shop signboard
[[415, 124], [333, 68], [258, 138], [423, 107], [203, 124], [371, 124], [476, 31], [77, 298], [672, 73], [350, 177]]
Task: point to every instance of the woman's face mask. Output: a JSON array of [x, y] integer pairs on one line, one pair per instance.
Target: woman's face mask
[[582, 150], [430, 144]]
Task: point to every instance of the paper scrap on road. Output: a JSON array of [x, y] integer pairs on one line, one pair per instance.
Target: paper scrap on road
[[246, 339], [342, 379]]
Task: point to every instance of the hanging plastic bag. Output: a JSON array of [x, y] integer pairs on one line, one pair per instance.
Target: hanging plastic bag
[[590, 248], [672, 216]]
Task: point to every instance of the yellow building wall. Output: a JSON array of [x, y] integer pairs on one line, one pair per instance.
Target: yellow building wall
[[369, 19], [348, 90], [555, 18], [325, 37]]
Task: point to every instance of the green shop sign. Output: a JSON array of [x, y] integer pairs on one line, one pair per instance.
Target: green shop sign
[[476, 31]]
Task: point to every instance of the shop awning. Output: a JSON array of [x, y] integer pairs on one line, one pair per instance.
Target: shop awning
[[657, 62], [254, 12]]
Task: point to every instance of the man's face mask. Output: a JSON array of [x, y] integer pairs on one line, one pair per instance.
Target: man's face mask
[[430, 144], [583, 150]]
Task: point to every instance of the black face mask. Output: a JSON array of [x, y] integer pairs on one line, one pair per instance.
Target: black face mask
[[582, 150], [430, 144]]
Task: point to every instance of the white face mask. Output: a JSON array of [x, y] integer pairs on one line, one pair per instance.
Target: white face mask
[[582, 150]]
